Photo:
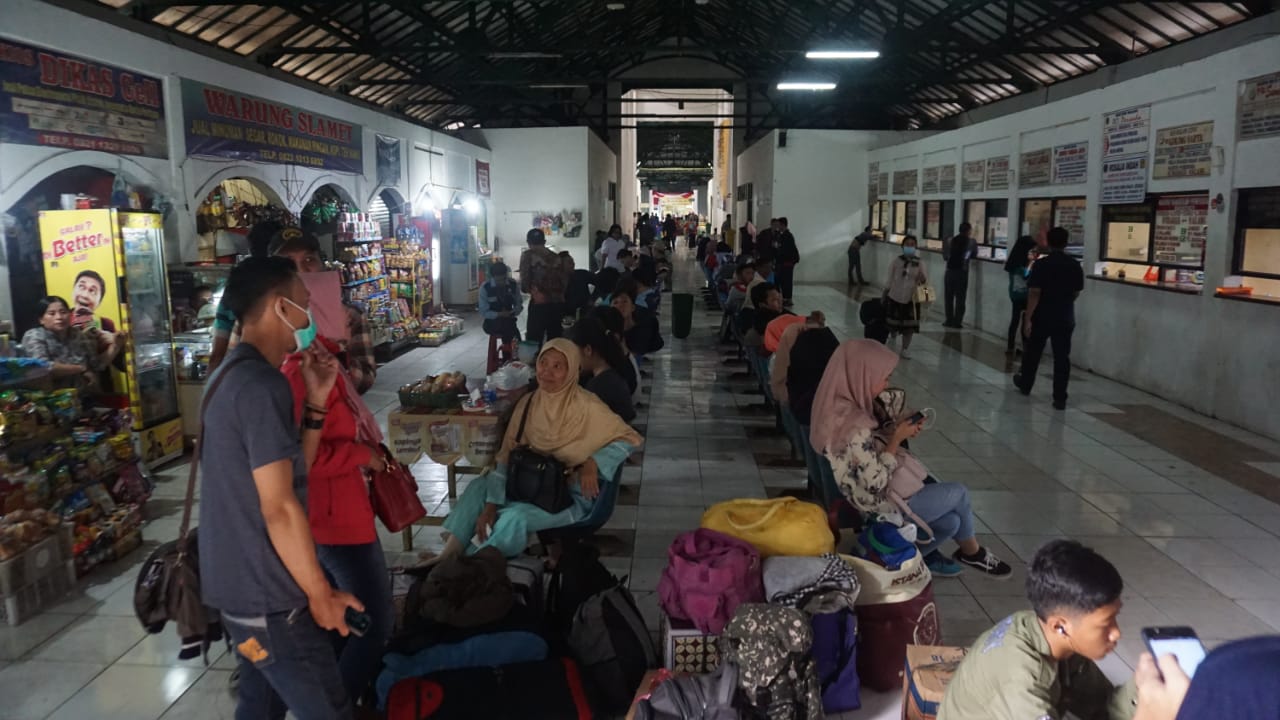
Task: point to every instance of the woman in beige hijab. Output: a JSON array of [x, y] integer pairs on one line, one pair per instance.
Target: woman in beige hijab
[[564, 421]]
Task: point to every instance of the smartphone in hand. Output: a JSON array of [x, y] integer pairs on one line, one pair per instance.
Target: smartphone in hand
[[1181, 642], [917, 418]]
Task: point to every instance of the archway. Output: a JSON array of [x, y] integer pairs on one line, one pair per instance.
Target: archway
[[383, 207], [227, 212], [22, 280]]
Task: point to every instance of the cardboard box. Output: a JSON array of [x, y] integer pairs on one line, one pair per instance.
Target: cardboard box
[[929, 669], [686, 649]]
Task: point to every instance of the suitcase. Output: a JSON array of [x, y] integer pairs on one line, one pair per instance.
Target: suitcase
[[545, 690]]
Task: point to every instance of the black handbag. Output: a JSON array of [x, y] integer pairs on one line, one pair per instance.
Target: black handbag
[[535, 478]]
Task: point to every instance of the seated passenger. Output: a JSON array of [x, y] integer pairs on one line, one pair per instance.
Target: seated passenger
[[640, 326], [1235, 680], [605, 281], [577, 294], [1040, 663], [564, 421], [648, 296], [603, 366], [766, 298], [764, 271], [745, 273], [611, 319], [876, 473]]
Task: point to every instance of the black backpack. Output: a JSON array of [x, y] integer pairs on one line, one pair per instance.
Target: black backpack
[[602, 629]]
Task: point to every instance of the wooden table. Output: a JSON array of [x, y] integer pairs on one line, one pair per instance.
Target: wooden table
[[465, 443]]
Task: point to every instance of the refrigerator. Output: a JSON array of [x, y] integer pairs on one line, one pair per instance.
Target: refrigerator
[[462, 248], [109, 265]]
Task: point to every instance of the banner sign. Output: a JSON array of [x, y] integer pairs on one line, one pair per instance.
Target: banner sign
[[998, 173], [904, 182], [929, 185], [975, 176], [1035, 168], [482, 178], [388, 159], [1183, 151], [947, 178], [1258, 107], [1071, 163], [882, 184], [227, 124], [1124, 180], [873, 172], [1126, 132], [53, 99], [1181, 229]]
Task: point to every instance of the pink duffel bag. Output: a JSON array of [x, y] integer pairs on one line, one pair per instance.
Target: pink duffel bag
[[708, 575]]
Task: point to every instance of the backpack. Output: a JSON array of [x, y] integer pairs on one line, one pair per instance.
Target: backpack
[[544, 690], [708, 575], [771, 646], [613, 647], [693, 697], [835, 651], [577, 577]]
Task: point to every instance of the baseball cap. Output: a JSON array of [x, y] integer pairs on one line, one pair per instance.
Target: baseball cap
[[292, 239]]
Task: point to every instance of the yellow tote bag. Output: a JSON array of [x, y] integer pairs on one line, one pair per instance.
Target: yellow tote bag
[[784, 526]]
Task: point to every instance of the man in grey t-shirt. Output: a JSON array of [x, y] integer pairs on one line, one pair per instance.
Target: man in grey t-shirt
[[258, 561]]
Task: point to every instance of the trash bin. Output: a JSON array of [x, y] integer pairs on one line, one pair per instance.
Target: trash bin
[[681, 314]]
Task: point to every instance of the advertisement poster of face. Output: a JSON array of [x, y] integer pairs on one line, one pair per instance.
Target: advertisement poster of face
[[80, 266]]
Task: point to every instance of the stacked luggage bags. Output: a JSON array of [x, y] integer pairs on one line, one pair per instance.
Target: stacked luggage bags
[[761, 619]]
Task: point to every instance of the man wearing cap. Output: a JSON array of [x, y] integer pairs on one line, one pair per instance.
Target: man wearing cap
[[304, 250]]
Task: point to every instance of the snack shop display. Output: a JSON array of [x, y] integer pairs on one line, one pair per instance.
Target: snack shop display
[[15, 370], [441, 392]]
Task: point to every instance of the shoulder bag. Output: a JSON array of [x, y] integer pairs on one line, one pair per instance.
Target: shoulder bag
[[394, 493], [535, 478]]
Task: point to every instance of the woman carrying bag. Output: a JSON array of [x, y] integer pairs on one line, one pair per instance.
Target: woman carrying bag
[[1016, 266], [559, 426], [876, 473], [342, 515], [905, 293]]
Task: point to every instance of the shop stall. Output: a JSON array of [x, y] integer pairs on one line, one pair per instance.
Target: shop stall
[[229, 211]]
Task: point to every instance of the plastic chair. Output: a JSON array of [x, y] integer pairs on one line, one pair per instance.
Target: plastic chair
[[596, 519], [500, 352]]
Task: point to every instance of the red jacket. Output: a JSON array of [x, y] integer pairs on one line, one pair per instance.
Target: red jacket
[[337, 493]]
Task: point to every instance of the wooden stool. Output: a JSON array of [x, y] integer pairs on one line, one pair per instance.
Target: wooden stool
[[500, 352]]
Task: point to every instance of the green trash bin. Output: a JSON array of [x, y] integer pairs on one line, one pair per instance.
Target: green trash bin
[[681, 314]]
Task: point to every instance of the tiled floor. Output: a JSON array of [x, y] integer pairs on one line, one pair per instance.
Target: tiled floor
[[1156, 488]]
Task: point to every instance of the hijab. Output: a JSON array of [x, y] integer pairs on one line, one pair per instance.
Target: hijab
[[845, 400], [570, 424]]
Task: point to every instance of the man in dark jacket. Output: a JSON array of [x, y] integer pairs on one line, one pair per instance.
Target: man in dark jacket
[[788, 257], [960, 250]]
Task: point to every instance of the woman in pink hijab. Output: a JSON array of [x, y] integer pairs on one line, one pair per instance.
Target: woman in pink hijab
[[863, 442]]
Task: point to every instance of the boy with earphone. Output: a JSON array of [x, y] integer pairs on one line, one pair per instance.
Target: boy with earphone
[[1039, 664]]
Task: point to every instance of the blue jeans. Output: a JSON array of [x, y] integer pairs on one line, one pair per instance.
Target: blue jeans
[[945, 506], [287, 664], [362, 571]]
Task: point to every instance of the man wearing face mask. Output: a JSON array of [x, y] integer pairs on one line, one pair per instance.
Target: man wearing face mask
[[258, 566]]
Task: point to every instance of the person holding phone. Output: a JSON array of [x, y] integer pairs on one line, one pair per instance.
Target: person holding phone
[[876, 472], [1237, 680], [1042, 663]]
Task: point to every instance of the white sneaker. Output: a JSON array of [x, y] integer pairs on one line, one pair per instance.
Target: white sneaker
[[904, 355]]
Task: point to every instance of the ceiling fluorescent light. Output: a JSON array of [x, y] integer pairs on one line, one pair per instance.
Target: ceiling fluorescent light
[[523, 55], [842, 54], [556, 86], [806, 86]]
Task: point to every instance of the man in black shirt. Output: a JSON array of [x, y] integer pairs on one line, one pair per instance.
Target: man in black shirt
[[956, 279], [1055, 282], [855, 255]]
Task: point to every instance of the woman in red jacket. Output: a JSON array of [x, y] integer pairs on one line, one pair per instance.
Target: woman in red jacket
[[342, 518]]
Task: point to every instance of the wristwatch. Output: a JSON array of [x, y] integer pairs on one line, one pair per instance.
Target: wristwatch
[[310, 423]]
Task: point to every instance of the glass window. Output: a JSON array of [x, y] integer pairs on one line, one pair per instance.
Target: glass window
[[1166, 232], [1257, 251], [879, 218], [1069, 213], [939, 219], [1035, 217], [990, 221], [904, 220]]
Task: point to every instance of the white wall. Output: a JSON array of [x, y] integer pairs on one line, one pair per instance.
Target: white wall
[[602, 169], [1214, 355], [755, 166], [186, 180], [824, 201], [541, 170]]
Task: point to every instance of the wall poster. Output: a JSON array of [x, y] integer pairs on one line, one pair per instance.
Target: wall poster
[[905, 182], [929, 186], [947, 178], [998, 173], [1071, 163], [53, 99], [873, 174], [228, 124], [1035, 168], [388, 160], [1181, 228], [1183, 151], [1258, 107], [482, 178], [882, 184], [1126, 132], [975, 176], [1124, 180]]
